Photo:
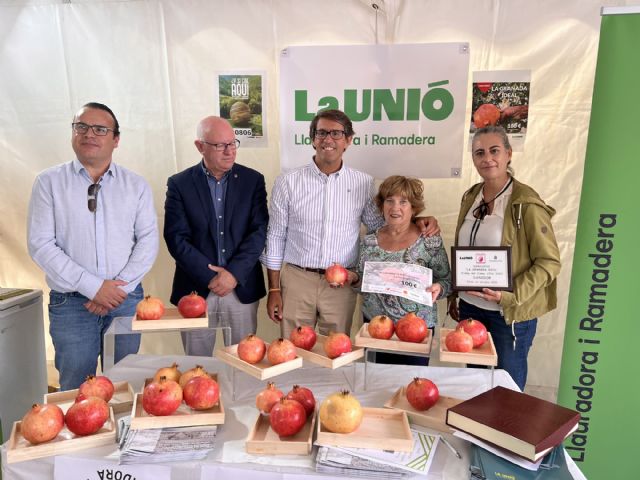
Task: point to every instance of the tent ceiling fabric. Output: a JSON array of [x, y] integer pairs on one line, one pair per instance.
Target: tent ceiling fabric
[[155, 62]]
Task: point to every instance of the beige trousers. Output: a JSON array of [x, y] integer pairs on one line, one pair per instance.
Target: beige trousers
[[309, 300]]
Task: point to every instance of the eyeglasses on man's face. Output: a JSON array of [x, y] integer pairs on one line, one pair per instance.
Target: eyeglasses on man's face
[[335, 134], [92, 197], [221, 147], [99, 130]]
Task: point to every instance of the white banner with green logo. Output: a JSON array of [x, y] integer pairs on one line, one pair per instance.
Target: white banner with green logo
[[407, 102], [600, 366]]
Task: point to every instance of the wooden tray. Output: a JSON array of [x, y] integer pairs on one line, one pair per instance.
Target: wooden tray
[[185, 416], [19, 449], [121, 401], [381, 429], [261, 370], [363, 339], [262, 440], [484, 355], [434, 418], [319, 357], [171, 320]]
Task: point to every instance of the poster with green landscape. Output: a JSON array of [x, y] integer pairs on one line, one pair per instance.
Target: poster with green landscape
[[240, 97]]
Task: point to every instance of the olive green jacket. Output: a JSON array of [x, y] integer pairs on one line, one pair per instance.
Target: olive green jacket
[[535, 258]]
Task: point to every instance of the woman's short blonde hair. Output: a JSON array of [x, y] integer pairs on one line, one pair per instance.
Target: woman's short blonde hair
[[411, 188]]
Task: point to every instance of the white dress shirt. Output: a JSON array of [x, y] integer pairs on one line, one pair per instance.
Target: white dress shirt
[[489, 234], [314, 218]]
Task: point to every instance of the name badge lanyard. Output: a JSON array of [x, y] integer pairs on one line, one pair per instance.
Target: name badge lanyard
[[482, 211]]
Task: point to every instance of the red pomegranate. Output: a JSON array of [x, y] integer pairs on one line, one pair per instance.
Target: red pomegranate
[[149, 308], [303, 337], [87, 415], [305, 397], [336, 344], [336, 275], [197, 371], [459, 341], [411, 328], [486, 114], [97, 386], [268, 397], [162, 397], [251, 349], [287, 417], [201, 393], [192, 305], [381, 327], [42, 423], [476, 329], [422, 393], [280, 351]]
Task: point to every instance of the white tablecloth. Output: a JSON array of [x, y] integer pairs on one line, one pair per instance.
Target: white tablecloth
[[229, 457]]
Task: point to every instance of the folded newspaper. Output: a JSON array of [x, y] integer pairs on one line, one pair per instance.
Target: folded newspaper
[[329, 460], [379, 463], [165, 444]]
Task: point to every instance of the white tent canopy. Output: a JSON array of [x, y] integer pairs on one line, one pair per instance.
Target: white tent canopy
[[155, 64]]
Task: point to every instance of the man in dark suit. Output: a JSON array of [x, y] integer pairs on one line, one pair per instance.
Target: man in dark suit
[[215, 227]]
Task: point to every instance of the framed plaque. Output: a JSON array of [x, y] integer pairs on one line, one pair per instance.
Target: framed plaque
[[475, 268]]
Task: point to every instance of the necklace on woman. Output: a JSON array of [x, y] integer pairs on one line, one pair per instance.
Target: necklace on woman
[[482, 211]]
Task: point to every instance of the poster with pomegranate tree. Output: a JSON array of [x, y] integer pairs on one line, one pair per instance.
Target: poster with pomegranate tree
[[240, 101], [502, 98]]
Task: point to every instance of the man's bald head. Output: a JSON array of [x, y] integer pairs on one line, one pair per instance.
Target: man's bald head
[[216, 141]]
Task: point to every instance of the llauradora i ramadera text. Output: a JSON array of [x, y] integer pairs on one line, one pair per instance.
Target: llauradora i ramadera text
[[590, 327]]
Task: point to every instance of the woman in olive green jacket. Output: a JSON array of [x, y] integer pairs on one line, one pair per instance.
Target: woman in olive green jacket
[[501, 211]]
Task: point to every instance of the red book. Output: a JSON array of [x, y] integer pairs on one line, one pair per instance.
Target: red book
[[515, 421]]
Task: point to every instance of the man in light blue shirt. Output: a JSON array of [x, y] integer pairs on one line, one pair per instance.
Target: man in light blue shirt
[[92, 228]]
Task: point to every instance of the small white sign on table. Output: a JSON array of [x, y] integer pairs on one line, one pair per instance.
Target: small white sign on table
[[400, 279], [72, 468]]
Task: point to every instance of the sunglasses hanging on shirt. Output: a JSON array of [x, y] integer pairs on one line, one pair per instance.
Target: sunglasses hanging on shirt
[[482, 211], [92, 197]]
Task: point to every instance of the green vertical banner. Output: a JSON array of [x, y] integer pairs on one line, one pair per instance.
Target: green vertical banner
[[600, 374]]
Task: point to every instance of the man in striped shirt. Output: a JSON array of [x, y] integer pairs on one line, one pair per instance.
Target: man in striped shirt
[[315, 217]]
